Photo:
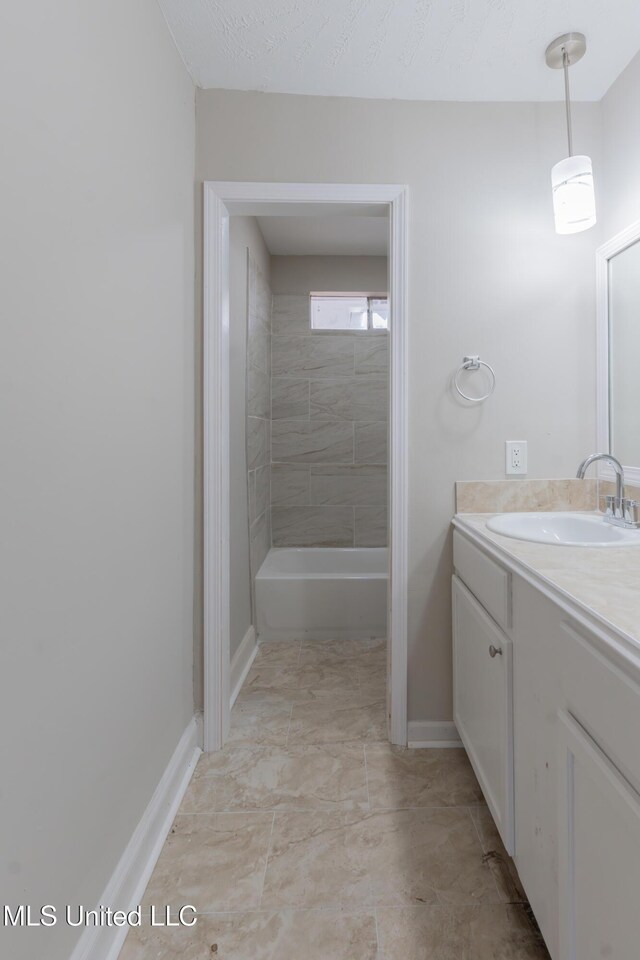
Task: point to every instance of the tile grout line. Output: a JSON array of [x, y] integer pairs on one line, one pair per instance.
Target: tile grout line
[[366, 775], [266, 862], [286, 739], [293, 701], [482, 847], [232, 811], [263, 811], [354, 911], [476, 828], [375, 920], [357, 910], [357, 671]]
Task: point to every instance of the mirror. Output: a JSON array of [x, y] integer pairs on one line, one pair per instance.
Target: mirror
[[624, 355], [619, 349]]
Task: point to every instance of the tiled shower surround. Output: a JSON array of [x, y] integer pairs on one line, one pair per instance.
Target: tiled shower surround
[[329, 403], [258, 416]]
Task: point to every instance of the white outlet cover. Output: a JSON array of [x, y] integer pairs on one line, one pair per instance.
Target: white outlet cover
[[516, 457]]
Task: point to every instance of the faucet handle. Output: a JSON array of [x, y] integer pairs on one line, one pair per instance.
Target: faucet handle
[[618, 507], [610, 501], [631, 512]]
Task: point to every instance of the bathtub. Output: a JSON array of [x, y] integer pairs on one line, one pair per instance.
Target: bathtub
[[322, 592]]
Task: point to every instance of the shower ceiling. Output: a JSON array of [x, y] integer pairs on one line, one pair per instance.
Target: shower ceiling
[[407, 49], [326, 235]]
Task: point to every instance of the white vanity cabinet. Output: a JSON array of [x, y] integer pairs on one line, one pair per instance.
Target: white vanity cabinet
[[483, 710], [575, 689]]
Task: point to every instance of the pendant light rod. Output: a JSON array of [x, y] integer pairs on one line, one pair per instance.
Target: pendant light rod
[[567, 98], [561, 54]]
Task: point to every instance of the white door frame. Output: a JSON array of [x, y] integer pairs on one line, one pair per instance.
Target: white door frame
[[222, 200]]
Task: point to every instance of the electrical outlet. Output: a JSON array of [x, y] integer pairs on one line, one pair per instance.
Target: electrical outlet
[[516, 456]]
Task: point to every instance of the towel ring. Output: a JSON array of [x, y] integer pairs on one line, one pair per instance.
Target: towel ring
[[474, 363]]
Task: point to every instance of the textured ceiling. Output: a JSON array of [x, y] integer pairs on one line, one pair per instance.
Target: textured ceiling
[[328, 235], [408, 49]]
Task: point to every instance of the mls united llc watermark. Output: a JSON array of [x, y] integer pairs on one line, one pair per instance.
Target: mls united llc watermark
[[25, 915]]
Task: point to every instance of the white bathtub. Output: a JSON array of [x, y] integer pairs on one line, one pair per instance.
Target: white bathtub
[[322, 592]]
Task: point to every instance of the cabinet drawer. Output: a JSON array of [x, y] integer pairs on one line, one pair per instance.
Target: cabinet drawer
[[485, 578], [602, 699], [483, 709]]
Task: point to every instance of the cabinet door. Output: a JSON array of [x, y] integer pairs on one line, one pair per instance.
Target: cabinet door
[[483, 703], [599, 852], [537, 697]]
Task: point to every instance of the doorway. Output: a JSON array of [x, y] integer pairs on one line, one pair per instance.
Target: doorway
[[221, 201]]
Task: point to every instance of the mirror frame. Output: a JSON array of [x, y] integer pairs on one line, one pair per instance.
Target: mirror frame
[[606, 252]]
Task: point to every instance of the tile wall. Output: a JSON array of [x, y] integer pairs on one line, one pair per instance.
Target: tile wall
[[329, 411], [258, 416]]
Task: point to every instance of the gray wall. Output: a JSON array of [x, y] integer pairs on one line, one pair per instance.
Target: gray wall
[[329, 412], [245, 240], [618, 190], [487, 274], [97, 371]]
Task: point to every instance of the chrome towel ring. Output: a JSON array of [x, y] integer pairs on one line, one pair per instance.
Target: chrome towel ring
[[474, 363]]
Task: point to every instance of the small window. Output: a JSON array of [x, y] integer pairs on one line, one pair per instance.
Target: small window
[[348, 311], [379, 313]]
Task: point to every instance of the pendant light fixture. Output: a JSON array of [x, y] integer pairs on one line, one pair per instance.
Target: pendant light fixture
[[574, 202]]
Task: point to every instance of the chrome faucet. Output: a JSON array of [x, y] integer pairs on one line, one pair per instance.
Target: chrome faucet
[[617, 466], [619, 510]]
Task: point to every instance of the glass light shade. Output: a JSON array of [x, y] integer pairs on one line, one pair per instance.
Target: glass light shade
[[574, 202]]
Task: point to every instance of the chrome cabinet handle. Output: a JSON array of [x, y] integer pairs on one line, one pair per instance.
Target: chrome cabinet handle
[[494, 651]]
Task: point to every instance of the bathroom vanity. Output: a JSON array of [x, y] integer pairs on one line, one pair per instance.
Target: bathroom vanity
[[547, 703]]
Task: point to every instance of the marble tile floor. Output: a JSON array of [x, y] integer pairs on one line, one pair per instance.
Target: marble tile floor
[[310, 838]]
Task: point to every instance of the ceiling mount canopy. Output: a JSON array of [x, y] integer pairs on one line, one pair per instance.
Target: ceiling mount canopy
[[574, 45]]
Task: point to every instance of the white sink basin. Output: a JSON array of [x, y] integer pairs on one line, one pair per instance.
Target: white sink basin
[[564, 529]]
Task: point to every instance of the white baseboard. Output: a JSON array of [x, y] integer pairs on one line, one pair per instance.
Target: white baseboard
[[241, 663], [199, 721], [130, 877], [321, 633], [433, 733]]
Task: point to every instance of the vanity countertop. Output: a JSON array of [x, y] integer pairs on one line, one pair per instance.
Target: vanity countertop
[[603, 582]]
